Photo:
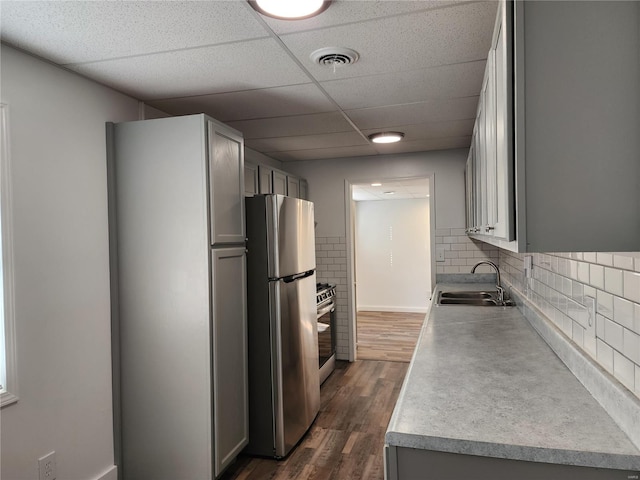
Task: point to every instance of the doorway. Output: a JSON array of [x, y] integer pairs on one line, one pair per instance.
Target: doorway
[[390, 234]]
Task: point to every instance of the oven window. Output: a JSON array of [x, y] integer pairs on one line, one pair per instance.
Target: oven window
[[325, 343]]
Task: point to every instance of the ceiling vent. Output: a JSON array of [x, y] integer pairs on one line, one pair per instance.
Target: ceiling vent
[[334, 56]]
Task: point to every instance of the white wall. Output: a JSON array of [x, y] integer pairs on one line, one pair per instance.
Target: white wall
[[326, 183], [393, 261], [62, 305]]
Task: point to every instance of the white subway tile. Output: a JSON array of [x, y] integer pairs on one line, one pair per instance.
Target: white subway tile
[[458, 231], [458, 246], [623, 312], [605, 259], [623, 261], [613, 281], [637, 369], [613, 334], [605, 304], [596, 276], [590, 257], [578, 334], [604, 355], [623, 370], [443, 232], [632, 286], [320, 240], [636, 318], [631, 345], [600, 322], [583, 272]]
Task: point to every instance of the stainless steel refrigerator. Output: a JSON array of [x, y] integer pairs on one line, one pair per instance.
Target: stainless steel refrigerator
[[284, 387]]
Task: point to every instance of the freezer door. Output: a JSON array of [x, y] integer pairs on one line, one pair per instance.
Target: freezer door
[[290, 222], [296, 377]]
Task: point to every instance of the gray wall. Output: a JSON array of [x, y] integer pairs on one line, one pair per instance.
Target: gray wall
[[61, 262], [326, 183]]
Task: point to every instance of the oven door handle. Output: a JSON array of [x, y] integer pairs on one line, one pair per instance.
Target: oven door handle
[[326, 309]]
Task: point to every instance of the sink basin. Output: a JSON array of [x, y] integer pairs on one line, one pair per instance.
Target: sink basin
[[478, 302], [472, 298], [470, 295]]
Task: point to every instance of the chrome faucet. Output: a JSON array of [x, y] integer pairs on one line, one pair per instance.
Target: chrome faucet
[[499, 288]]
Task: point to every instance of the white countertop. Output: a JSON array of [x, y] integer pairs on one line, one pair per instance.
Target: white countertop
[[483, 382]]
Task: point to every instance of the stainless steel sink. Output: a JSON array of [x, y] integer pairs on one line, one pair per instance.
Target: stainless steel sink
[[476, 299], [470, 295]]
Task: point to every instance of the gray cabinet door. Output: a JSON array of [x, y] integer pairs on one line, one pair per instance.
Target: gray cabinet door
[[304, 189], [250, 179], [229, 355], [279, 182], [226, 183], [265, 180], [293, 186]]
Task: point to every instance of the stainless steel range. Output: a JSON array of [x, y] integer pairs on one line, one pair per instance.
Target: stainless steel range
[[326, 305]]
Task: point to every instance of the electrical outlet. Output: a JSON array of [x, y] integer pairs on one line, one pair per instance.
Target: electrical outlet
[[47, 467], [439, 254]]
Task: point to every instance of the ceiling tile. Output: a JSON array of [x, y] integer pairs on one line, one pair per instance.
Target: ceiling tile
[[238, 66], [415, 113], [250, 104], [346, 12], [460, 80], [82, 31], [292, 126], [323, 153], [428, 38], [306, 142]]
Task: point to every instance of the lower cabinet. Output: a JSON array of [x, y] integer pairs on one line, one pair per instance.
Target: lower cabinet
[[229, 355], [403, 463]]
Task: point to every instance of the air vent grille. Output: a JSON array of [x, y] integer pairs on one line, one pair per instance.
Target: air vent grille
[[334, 56]]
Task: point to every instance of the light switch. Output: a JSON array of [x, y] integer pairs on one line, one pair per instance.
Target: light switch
[[439, 254]]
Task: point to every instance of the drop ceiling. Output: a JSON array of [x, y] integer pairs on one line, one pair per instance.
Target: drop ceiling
[[420, 67]]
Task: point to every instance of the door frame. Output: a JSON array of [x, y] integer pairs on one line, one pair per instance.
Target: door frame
[[349, 214]]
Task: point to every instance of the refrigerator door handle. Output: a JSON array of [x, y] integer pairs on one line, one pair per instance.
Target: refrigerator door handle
[[297, 276]]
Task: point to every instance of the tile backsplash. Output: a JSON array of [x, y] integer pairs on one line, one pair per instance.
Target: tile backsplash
[[461, 253], [331, 267], [561, 286]]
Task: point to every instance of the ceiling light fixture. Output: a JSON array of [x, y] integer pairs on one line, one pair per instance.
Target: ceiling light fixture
[[376, 184], [386, 137], [389, 193], [290, 9]]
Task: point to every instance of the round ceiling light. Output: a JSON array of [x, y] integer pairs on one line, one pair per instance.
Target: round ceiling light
[[290, 9], [386, 137]]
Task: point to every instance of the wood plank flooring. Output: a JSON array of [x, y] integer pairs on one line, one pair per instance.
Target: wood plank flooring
[[390, 336], [346, 440]]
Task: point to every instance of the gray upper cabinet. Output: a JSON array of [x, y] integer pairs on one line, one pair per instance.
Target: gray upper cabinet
[[272, 180], [279, 180], [226, 176], [250, 179], [293, 186], [304, 189], [557, 141], [265, 179]]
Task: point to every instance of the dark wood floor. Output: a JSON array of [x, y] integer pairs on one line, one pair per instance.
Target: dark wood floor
[[346, 440], [388, 336]]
